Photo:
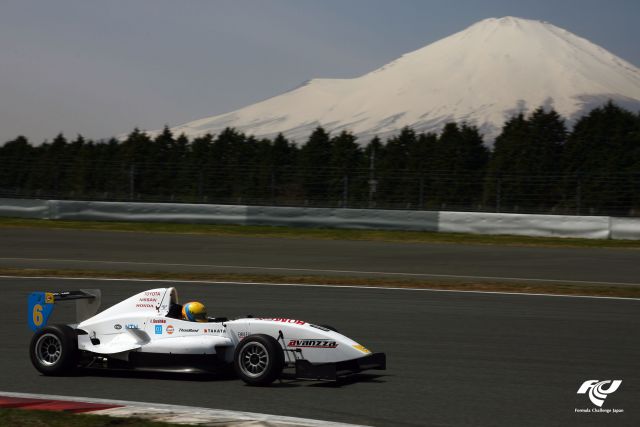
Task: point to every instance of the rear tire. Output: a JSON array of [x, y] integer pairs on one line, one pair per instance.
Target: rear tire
[[258, 360], [54, 350]]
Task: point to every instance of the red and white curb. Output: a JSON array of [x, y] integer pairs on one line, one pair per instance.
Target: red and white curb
[[156, 411]]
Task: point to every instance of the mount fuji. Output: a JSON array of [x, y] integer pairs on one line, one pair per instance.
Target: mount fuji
[[482, 75]]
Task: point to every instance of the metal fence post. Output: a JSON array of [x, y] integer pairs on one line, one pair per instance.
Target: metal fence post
[[498, 193], [345, 191], [132, 181], [578, 195]]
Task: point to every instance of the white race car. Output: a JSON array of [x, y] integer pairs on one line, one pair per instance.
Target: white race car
[[145, 332]]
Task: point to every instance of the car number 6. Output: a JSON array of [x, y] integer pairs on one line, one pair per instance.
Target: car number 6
[[37, 315]]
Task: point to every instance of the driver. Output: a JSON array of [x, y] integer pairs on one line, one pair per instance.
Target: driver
[[194, 311]]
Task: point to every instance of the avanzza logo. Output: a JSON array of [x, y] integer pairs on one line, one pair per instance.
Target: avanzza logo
[[313, 343]]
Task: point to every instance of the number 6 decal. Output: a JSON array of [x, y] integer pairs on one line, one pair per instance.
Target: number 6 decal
[[37, 315], [40, 308]]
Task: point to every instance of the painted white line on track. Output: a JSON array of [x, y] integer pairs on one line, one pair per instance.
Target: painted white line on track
[[308, 285], [315, 270], [186, 414]]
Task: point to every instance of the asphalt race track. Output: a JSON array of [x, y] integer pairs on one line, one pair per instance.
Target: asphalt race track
[[124, 251], [454, 359]]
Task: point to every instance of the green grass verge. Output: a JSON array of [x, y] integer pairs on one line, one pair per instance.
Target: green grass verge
[[28, 418], [559, 288], [317, 233]]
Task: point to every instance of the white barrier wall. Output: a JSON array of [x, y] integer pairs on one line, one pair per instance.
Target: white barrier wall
[[148, 212], [625, 228], [590, 227], [24, 208], [376, 219]]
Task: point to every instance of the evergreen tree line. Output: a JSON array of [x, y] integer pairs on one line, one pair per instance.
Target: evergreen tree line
[[536, 165]]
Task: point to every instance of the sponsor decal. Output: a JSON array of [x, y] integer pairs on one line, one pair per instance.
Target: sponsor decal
[[280, 319], [141, 305], [158, 329], [158, 320], [169, 329], [598, 392], [147, 300], [312, 343], [214, 331], [188, 330], [49, 298], [362, 348], [131, 326], [242, 335], [152, 293], [117, 327], [322, 328]]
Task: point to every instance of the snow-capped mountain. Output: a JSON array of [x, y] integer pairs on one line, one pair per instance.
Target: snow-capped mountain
[[482, 75]]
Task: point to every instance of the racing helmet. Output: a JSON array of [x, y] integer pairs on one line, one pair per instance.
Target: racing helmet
[[194, 311]]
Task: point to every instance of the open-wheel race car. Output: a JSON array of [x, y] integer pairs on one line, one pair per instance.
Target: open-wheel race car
[[147, 332]]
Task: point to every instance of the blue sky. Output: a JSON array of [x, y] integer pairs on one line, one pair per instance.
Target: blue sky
[[101, 68]]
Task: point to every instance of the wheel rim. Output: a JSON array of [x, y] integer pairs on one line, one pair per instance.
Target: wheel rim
[[48, 349], [254, 359]]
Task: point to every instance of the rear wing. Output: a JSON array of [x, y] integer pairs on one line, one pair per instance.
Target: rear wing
[[41, 305]]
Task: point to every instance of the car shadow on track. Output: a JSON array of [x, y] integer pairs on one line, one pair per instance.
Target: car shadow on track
[[287, 380], [154, 375]]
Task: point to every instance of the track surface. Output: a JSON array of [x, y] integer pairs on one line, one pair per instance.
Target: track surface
[[455, 359], [124, 251]]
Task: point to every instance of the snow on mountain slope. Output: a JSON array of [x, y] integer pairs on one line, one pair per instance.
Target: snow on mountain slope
[[482, 75]]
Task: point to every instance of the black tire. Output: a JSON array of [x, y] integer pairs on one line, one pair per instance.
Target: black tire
[[331, 328], [54, 350], [258, 360]]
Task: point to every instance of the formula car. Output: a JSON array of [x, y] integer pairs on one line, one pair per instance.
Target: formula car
[[146, 332]]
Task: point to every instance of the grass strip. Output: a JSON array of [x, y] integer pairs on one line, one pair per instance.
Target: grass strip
[[559, 288], [318, 233], [29, 418]]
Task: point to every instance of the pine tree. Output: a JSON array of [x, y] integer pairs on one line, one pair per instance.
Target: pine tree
[[371, 162], [601, 153], [524, 171], [283, 160], [16, 160], [346, 156], [460, 161], [395, 177], [135, 154], [314, 167], [199, 162], [421, 165]]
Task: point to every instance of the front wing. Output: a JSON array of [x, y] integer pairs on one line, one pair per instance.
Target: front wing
[[333, 371]]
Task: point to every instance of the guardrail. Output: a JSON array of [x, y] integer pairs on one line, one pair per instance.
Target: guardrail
[[590, 227]]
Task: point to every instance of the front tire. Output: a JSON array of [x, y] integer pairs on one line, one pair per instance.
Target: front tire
[[258, 360], [54, 350]]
